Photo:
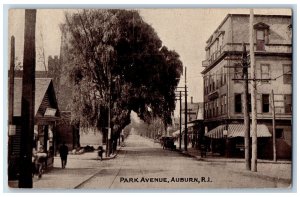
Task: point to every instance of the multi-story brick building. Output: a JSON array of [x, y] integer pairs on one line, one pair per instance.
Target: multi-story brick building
[[223, 100]]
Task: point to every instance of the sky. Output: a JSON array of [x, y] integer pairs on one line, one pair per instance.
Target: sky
[[183, 30]]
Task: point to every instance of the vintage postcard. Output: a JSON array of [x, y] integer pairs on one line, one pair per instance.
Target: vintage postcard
[[150, 98]]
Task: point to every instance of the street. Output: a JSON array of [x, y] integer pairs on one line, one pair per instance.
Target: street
[[143, 164]]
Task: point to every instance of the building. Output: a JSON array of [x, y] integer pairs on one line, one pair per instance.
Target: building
[[223, 101], [46, 115], [194, 124]]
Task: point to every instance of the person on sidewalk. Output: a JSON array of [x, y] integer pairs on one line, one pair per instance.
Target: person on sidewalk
[[100, 152], [63, 151]]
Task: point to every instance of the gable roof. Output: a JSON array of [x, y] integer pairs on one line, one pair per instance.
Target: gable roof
[[41, 87]]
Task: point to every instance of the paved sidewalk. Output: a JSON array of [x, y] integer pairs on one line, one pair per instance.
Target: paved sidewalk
[[75, 173], [266, 169]]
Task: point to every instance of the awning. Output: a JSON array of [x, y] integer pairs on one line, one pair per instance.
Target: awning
[[237, 130], [216, 133], [177, 133]]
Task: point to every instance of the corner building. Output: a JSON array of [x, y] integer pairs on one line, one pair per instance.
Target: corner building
[[223, 96]]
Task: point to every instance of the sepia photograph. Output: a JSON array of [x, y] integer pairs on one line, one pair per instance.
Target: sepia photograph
[[150, 98]]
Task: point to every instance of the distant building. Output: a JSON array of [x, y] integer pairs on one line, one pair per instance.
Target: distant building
[[194, 123], [223, 103]]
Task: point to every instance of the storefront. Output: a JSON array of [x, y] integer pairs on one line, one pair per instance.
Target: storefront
[[46, 116], [228, 140]]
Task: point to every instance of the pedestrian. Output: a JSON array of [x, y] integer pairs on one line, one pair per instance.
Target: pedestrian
[[100, 152], [63, 151]]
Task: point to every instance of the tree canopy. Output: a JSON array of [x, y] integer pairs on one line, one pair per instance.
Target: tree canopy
[[117, 61]]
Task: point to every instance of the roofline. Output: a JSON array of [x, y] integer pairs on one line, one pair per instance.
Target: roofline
[[246, 15]]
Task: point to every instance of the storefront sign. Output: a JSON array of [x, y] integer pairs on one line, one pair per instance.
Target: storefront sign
[[50, 112]]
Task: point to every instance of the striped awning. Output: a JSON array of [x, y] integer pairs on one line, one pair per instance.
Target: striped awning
[[217, 132], [237, 130]]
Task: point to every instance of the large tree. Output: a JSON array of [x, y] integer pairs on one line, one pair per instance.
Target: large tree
[[117, 61]]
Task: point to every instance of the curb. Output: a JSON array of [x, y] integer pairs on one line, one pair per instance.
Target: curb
[[252, 174], [207, 159], [86, 180], [265, 177], [94, 174]]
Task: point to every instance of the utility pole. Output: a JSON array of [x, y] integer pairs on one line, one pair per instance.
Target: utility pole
[[28, 97], [109, 131], [253, 96], [180, 117], [246, 109], [185, 111], [11, 80], [273, 125], [180, 121], [11, 97]]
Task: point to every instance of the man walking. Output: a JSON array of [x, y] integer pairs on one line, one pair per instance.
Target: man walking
[[63, 151]]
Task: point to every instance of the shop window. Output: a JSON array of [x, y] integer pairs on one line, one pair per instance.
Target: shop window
[[288, 103], [287, 74], [265, 103], [279, 133], [238, 103]]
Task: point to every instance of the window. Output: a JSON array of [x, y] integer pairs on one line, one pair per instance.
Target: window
[[262, 35], [221, 105], [279, 134], [205, 85], [288, 103], [260, 40], [265, 72], [225, 104], [238, 73], [249, 103], [217, 107], [238, 103], [213, 105], [221, 75], [209, 110], [287, 74], [265, 103]]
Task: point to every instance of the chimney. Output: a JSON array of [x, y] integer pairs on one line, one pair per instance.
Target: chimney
[[191, 100]]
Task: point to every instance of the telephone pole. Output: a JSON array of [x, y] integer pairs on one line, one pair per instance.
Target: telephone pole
[[180, 122], [273, 125], [253, 96], [246, 109], [11, 80], [185, 111], [28, 97]]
